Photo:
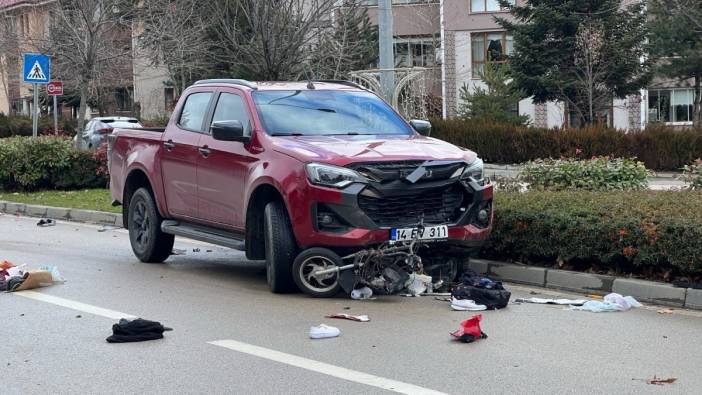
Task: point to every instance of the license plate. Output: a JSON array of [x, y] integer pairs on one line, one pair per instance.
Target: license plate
[[428, 233]]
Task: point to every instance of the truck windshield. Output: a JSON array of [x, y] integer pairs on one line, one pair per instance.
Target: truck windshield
[[323, 112]]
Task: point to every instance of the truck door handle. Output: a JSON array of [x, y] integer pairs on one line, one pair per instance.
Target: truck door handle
[[204, 151], [169, 145]]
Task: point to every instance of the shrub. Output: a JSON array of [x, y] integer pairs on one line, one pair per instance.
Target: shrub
[[659, 147], [19, 125], [28, 163], [617, 231], [692, 173], [596, 174]]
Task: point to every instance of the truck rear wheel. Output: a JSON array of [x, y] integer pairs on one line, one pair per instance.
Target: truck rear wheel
[[280, 248], [310, 261], [148, 242]]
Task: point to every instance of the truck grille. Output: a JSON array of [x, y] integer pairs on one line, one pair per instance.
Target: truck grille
[[438, 206], [390, 171]]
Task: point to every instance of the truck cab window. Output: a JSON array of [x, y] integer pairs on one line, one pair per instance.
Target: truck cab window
[[194, 111], [231, 107]]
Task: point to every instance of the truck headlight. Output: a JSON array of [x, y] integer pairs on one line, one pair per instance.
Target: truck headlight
[[475, 170], [332, 176]]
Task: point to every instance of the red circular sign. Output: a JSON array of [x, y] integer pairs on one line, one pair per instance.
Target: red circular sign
[[54, 88]]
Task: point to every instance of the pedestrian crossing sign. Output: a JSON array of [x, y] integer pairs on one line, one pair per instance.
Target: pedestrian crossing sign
[[37, 68]]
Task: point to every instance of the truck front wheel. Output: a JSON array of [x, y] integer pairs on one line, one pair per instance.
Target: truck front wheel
[[148, 242], [280, 248]]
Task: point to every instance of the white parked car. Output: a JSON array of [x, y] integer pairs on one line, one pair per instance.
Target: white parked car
[[98, 128]]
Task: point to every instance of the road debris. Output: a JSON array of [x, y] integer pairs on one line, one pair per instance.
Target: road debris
[[658, 381], [126, 331], [177, 251], [569, 302], [482, 290], [361, 293], [105, 228], [359, 318], [418, 284], [612, 302], [323, 331], [45, 222], [666, 311], [470, 330], [196, 250]]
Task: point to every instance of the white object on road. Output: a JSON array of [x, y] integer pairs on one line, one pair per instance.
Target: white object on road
[[571, 302], [359, 318], [612, 302], [323, 332], [418, 284], [361, 293], [466, 305]]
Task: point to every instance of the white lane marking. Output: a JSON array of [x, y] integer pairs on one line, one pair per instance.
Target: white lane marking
[[325, 368], [85, 308]]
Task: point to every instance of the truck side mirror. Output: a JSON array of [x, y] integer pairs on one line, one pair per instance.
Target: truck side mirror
[[422, 127], [230, 130]]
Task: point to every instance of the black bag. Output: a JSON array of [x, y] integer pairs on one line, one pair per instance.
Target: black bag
[[483, 291]]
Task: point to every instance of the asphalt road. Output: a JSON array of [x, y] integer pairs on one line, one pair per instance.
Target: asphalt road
[[58, 345]]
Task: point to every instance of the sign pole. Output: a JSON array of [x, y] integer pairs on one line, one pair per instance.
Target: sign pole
[[35, 113], [55, 116]]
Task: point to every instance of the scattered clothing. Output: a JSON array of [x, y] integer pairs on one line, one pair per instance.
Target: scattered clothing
[[571, 302], [323, 332], [612, 302], [359, 318], [361, 293], [136, 331], [466, 305], [470, 330], [44, 222], [483, 291]]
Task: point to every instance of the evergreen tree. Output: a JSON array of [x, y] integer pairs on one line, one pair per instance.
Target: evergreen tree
[[583, 53], [496, 102], [676, 37]]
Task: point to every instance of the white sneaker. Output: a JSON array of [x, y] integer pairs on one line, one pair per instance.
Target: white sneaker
[[466, 305], [323, 331]]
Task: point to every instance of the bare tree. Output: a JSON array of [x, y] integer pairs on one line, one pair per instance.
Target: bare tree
[[89, 40], [269, 39], [9, 52], [175, 34], [589, 71], [349, 44]]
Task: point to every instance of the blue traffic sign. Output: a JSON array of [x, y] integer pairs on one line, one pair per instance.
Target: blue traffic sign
[[37, 68]]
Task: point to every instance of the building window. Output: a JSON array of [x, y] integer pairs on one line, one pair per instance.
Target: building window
[[670, 105], [375, 2], [490, 48], [487, 5], [414, 52]]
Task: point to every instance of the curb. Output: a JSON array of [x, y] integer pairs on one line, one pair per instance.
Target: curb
[[586, 283], [61, 213]]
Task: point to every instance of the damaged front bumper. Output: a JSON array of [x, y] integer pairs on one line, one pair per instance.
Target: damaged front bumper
[[362, 215]]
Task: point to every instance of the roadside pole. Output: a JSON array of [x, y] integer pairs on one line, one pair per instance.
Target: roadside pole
[[55, 116], [387, 62], [35, 111]]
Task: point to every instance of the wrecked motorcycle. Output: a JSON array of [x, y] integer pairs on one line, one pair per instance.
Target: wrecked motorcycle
[[386, 269]]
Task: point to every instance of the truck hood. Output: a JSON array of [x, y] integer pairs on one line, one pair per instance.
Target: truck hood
[[344, 150]]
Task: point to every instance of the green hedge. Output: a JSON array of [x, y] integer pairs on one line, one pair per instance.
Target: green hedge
[[659, 147], [18, 125], [613, 231], [28, 163]]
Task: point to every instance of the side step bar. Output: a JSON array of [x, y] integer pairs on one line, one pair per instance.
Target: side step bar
[[204, 233]]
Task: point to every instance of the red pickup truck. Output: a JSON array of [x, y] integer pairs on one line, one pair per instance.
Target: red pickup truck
[[275, 169]]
